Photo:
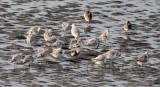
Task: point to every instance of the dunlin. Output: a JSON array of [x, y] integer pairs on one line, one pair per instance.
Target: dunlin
[[127, 25], [87, 16]]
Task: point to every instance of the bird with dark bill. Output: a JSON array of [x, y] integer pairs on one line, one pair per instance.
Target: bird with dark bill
[[87, 16]]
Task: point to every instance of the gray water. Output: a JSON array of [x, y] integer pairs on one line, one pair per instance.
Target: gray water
[[16, 16]]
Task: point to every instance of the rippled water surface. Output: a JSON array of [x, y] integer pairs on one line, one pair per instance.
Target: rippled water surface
[[16, 16]]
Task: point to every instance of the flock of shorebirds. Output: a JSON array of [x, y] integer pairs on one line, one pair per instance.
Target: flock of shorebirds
[[75, 45]]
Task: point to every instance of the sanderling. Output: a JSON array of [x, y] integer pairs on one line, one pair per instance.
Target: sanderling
[[91, 43], [34, 30], [48, 36], [127, 25], [99, 60], [31, 40], [104, 35], [28, 60], [65, 28], [142, 59], [57, 52], [87, 16], [75, 31], [16, 58]]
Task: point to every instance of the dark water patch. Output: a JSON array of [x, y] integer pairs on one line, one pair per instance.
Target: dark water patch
[[117, 13], [116, 1], [130, 5], [117, 6]]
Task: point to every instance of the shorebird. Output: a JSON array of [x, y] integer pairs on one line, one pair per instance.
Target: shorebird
[[91, 43], [58, 44], [75, 32], [48, 36], [127, 25], [65, 28], [31, 40], [57, 52], [142, 59], [34, 30], [28, 59], [41, 52], [110, 54], [99, 60], [87, 16], [44, 55], [16, 58], [102, 37]]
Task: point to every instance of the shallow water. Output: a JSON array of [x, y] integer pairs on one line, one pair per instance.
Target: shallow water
[[16, 16]]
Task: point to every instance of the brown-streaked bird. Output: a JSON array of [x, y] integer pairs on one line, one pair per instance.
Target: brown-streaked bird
[[88, 16], [92, 43], [34, 30], [57, 52], [16, 58], [127, 25], [49, 37], [102, 37], [28, 60], [99, 60]]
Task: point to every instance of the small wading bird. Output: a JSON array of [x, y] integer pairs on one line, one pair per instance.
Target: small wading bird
[[99, 60], [92, 43], [127, 25], [75, 32], [44, 55], [28, 60], [102, 37], [66, 28], [48, 36], [142, 59], [58, 44], [31, 40], [111, 54], [34, 30], [88, 16], [16, 58], [57, 52]]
